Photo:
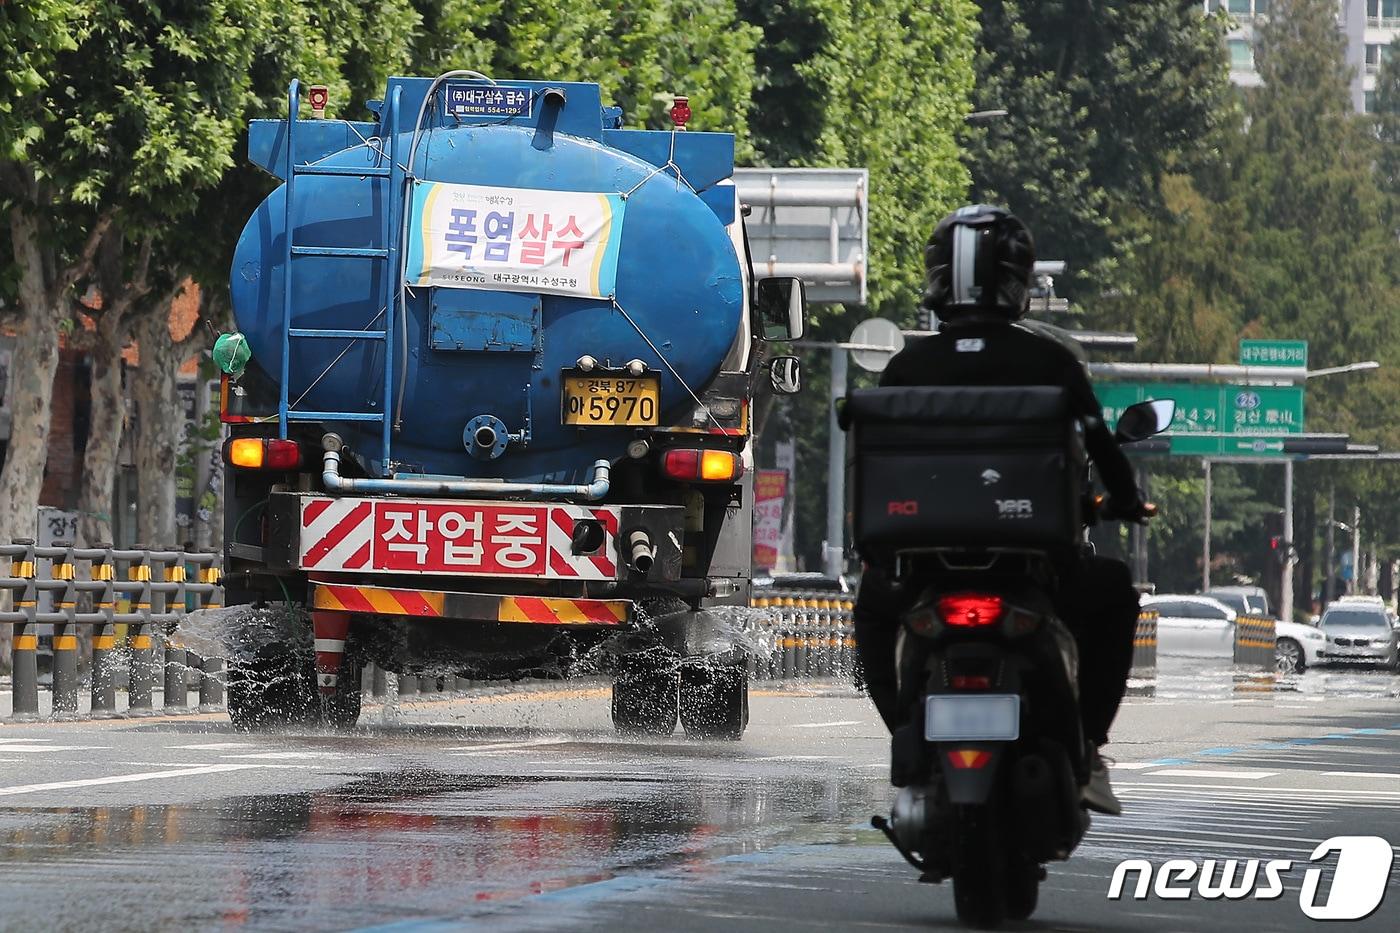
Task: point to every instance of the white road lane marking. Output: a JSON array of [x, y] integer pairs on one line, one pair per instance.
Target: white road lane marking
[[32, 749], [503, 746], [824, 725], [1386, 775], [1132, 765], [216, 746], [284, 756], [1210, 773], [795, 758], [122, 779]]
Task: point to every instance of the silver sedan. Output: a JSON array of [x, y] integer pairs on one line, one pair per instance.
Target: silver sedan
[[1360, 633]]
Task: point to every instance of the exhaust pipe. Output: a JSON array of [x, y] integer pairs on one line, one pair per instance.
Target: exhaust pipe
[[641, 555]]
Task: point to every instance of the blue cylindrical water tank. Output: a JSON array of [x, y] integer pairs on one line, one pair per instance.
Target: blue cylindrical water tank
[[678, 279]]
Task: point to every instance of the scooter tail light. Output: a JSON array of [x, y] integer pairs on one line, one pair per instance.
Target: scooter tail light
[[971, 610]]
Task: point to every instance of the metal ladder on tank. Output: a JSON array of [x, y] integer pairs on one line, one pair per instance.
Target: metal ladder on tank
[[388, 254]]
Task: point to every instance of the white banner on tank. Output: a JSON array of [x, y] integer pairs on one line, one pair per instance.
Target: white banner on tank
[[514, 239]]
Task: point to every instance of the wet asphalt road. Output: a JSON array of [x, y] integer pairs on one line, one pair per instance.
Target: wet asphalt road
[[524, 812]]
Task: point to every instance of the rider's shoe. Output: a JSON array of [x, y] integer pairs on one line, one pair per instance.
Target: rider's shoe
[[1098, 793]]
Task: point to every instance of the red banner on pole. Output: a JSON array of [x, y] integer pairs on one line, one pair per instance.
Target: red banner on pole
[[769, 495]]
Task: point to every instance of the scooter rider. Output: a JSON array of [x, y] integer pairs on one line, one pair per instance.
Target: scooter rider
[[978, 267]]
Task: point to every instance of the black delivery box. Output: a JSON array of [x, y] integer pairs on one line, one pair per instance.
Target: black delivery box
[[964, 467]]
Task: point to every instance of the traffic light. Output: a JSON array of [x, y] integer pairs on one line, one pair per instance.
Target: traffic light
[[1280, 548]]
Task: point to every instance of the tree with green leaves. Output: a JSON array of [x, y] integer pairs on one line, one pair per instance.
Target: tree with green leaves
[[1102, 98], [884, 86]]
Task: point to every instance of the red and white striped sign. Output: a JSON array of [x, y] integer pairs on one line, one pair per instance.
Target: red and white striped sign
[[336, 534], [485, 539]]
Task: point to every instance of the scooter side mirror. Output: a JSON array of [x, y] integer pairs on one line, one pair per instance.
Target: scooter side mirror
[[1143, 420]]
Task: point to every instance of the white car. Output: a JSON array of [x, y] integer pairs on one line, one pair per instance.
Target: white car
[[1193, 626], [1297, 646]]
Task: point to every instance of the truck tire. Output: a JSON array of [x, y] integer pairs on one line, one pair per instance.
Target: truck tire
[[274, 688], [341, 710], [645, 702], [714, 701]]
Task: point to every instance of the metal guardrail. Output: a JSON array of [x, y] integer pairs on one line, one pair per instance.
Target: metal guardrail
[[810, 632], [141, 591], [812, 636]]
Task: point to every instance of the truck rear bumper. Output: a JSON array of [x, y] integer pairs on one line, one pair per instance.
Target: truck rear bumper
[[476, 607]]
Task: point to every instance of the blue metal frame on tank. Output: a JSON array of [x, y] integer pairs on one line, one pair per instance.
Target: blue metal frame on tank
[[388, 253]]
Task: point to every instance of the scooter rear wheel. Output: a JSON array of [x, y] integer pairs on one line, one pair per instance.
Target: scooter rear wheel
[[1022, 890], [980, 876]]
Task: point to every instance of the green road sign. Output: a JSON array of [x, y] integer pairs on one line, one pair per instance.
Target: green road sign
[[1274, 353], [1226, 445], [1208, 417]]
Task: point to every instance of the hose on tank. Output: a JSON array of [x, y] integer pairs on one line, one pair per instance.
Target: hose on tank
[[403, 231]]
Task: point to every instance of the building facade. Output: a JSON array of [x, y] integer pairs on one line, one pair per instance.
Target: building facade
[[1370, 27]]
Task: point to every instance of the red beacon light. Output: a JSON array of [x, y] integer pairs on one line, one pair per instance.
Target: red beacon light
[[680, 112], [318, 95]]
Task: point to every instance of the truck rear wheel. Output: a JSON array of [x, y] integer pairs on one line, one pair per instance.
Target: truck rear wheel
[[714, 701], [645, 702], [341, 710], [274, 688]]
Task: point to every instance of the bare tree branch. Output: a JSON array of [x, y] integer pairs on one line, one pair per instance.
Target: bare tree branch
[[83, 267]]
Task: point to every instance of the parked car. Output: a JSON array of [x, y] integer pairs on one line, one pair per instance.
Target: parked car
[[1297, 646], [1193, 626], [1360, 631], [1245, 600]]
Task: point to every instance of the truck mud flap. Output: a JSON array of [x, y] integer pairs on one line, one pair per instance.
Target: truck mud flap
[[476, 607]]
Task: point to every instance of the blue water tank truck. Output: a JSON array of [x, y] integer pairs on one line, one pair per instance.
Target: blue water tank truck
[[498, 414]]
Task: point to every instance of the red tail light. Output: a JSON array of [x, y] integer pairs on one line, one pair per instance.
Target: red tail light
[[705, 466], [263, 453], [971, 610], [970, 682]]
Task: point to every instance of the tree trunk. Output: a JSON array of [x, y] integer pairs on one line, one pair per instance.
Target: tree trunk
[[159, 424], [33, 364], [105, 437]]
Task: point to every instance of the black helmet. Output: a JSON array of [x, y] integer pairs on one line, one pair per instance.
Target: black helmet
[[978, 263]]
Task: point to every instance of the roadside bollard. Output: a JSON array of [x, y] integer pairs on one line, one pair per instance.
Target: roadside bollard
[[104, 680], [211, 685], [104, 643], [789, 638], [65, 638], [65, 672], [24, 662], [141, 681]]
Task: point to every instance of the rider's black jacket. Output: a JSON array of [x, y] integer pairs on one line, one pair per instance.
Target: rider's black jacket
[[1002, 354]]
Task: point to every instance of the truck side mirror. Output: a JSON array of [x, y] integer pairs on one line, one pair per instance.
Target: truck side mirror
[[785, 373], [780, 303]]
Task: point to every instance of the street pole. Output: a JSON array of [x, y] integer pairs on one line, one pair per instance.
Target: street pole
[[1329, 584], [1286, 587], [1205, 550], [835, 554], [1139, 534], [1354, 585]]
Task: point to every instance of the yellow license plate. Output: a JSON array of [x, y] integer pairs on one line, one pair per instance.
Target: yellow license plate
[[612, 400]]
